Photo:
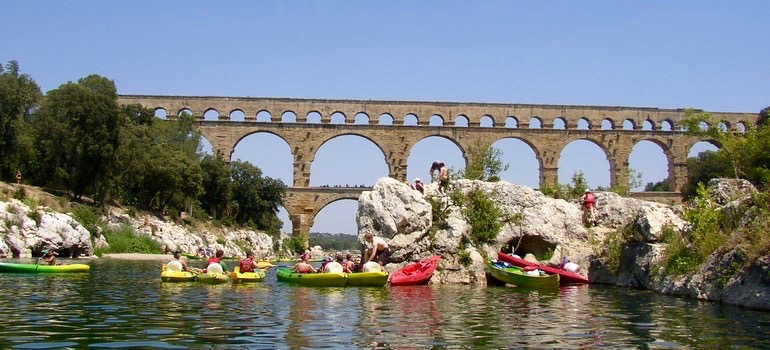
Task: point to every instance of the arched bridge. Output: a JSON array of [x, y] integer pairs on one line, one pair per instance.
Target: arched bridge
[[306, 124]]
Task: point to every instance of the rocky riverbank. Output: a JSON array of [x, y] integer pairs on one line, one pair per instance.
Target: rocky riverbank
[[418, 226]]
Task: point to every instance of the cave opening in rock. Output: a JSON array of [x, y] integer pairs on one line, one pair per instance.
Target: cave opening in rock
[[534, 245]]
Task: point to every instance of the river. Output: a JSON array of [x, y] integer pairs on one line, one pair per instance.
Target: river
[[123, 304]]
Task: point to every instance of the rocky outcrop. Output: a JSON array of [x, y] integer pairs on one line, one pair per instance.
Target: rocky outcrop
[[28, 231]]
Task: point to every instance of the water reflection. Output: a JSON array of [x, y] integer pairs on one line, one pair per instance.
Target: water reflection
[[124, 304]]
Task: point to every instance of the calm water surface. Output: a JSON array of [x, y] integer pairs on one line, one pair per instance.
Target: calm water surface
[[123, 304]]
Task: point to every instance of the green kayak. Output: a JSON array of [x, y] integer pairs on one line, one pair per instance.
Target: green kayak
[[507, 273], [37, 268], [326, 279]]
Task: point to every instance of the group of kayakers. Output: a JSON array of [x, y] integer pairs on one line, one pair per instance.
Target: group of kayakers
[[216, 258]]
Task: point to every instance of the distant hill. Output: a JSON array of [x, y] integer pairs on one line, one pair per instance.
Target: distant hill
[[334, 241]]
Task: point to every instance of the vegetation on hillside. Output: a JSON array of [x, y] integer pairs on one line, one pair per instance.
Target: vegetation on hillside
[[77, 139]]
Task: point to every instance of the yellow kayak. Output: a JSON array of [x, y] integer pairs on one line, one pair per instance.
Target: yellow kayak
[[244, 277], [172, 272]]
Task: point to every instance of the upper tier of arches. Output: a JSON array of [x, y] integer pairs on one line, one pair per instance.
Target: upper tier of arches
[[362, 112]]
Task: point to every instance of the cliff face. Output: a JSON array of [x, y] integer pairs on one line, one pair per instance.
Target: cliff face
[[404, 217], [26, 232]]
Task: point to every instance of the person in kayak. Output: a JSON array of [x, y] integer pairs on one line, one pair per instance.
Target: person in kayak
[[49, 257], [248, 264], [303, 266], [379, 250], [218, 259], [178, 257]]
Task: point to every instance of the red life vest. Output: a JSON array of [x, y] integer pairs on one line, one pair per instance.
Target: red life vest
[[213, 260], [589, 200], [247, 265]]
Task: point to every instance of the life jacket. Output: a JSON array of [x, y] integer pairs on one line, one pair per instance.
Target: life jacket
[[589, 200], [213, 260], [247, 265]]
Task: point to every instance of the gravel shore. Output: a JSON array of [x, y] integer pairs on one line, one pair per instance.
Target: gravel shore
[[137, 256]]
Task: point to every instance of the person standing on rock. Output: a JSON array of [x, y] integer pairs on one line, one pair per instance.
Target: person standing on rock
[[589, 208], [437, 164]]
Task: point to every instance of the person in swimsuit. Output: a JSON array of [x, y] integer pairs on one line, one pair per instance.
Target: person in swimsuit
[[303, 266]]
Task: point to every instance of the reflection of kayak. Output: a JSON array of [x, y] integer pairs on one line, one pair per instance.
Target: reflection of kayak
[[326, 279], [37, 268], [415, 273], [507, 273], [565, 277], [172, 272], [243, 277]]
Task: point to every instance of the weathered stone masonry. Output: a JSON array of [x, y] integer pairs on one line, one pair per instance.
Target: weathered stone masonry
[[396, 140]]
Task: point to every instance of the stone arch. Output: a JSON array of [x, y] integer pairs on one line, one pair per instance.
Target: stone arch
[[278, 163], [361, 118], [313, 117], [346, 161], [211, 114], [436, 120], [695, 148], [184, 111], [264, 116], [608, 124], [423, 151], [462, 120], [237, 115], [512, 122], [410, 119], [205, 146], [161, 113], [523, 169], [629, 124], [667, 125], [535, 123], [288, 117], [740, 127], [486, 122], [340, 207], [385, 119], [559, 123], [648, 125], [338, 118], [583, 124], [645, 158], [724, 126], [586, 160]]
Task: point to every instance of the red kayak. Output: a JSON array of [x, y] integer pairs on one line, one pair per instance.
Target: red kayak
[[565, 277], [415, 273]]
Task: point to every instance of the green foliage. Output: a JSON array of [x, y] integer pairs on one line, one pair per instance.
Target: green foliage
[[634, 178], [484, 163], [256, 198], [18, 95], [295, 245], [34, 215], [125, 240], [464, 257], [685, 253], [483, 216], [546, 255], [573, 190], [20, 194], [334, 242], [660, 186], [702, 168], [30, 202], [76, 136], [87, 217]]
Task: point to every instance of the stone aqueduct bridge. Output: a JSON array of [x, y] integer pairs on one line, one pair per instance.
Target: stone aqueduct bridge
[[462, 123]]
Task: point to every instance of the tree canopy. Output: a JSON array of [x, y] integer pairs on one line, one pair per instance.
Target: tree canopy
[[79, 140]]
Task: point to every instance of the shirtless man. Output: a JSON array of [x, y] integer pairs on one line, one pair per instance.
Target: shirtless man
[[378, 250]]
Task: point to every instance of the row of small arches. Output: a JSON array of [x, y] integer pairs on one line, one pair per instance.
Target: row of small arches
[[485, 121]]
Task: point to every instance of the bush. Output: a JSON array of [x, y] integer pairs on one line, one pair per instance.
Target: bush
[[483, 216], [295, 245], [125, 240], [87, 217]]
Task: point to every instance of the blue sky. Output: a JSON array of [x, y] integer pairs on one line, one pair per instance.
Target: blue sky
[[710, 55]]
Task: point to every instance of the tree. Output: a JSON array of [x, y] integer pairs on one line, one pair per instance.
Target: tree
[[19, 94], [256, 198], [77, 133], [484, 163], [217, 185], [660, 186]]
